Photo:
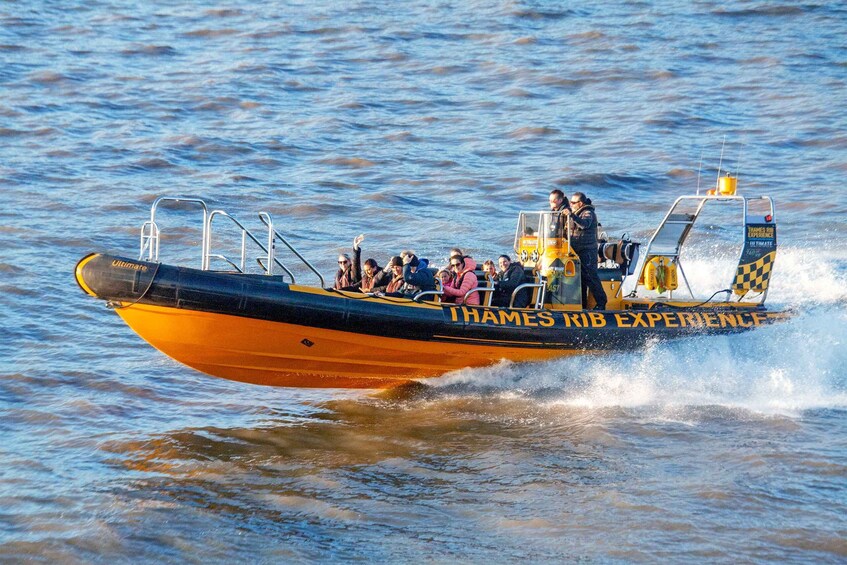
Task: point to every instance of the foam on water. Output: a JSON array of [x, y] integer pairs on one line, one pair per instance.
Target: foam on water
[[781, 369]]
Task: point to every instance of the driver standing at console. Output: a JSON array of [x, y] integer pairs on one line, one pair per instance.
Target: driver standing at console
[[583, 222]]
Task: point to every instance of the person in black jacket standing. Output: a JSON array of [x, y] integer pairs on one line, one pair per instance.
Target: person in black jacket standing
[[558, 205], [584, 243], [510, 277]]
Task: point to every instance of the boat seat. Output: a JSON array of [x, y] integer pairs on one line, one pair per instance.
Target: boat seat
[[484, 288]]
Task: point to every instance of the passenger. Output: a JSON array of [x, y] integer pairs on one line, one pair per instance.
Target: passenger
[[445, 276], [344, 276], [372, 277], [396, 279], [489, 269], [510, 277], [463, 281], [417, 275], [558, 204], [583, 222]]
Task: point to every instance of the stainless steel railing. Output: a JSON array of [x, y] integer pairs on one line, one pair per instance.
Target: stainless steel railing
[[151, 236]]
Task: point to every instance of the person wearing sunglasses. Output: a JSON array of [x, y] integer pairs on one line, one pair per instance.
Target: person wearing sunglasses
[[344, 274], [464, 279], [583, 222], [373, 276], [348, 274]]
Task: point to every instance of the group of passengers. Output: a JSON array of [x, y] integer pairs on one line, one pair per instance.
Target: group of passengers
[[407, 275]]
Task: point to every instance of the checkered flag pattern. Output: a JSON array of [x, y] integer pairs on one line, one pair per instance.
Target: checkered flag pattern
[[754, 276]]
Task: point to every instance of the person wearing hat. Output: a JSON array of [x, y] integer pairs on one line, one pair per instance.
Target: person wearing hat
[[416, 274], [395, 267]]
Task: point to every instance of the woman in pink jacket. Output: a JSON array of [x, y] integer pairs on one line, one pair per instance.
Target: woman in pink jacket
[[463, 281]]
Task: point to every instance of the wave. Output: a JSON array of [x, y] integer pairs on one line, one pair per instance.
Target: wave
[[759, 372], [783, 369]]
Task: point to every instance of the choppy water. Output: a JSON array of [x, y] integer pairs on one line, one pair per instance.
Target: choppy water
[[428, 125]]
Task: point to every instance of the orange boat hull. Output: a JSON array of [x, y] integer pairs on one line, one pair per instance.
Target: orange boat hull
[[280, 354]]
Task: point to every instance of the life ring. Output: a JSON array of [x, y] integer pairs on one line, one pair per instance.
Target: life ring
[[660, 275]]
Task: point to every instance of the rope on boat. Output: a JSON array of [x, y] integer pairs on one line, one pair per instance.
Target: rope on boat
[[393, 299], [659, 305], [117, 305]]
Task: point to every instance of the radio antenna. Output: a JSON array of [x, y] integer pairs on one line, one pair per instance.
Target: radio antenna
[[720, 165], [738, 161], [699, 168]]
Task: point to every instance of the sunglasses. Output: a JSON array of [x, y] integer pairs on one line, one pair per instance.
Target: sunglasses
[[455, 264], [343, 262], [576, 201]]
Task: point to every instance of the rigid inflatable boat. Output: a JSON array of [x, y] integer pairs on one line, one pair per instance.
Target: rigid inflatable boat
[[264, 328]]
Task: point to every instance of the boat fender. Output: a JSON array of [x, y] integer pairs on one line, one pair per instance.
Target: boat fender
[[671, 281], [649, 276]]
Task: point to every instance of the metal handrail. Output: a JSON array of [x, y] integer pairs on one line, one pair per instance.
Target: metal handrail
[[418, 296], [539, 300], [480, 289], [266, 219], [245, 233], [147, 240]]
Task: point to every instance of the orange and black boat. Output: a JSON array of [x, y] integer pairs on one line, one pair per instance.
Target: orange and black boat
[[264, 328]]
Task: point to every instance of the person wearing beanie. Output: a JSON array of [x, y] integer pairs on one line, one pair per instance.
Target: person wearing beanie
[[416, 274], [395, 267]]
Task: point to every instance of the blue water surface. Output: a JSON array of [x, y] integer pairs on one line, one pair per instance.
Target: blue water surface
[[426, 125]]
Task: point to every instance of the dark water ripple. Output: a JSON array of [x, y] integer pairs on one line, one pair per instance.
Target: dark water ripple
[[424, 126]]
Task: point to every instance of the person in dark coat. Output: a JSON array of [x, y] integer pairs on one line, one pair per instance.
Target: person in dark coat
[[510, 277], [558, 205], [583, 225], [416, 274]]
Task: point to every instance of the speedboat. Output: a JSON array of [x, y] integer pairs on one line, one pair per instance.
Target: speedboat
[[266, 328]]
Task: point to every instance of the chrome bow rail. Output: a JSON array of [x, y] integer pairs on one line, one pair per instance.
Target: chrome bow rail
[[150, 237]]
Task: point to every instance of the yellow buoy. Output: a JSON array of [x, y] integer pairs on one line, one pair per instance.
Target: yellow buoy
[[727, 185]]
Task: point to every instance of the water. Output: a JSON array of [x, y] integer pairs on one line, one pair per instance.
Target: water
[[423, 125]]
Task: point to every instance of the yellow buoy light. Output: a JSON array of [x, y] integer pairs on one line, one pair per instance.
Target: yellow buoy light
[[727, 185]]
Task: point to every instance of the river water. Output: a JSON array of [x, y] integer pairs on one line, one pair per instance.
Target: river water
[[427, 125]]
